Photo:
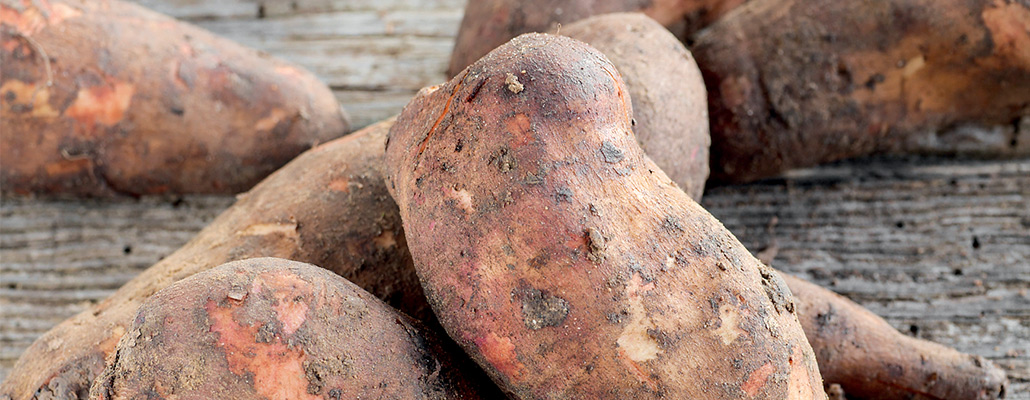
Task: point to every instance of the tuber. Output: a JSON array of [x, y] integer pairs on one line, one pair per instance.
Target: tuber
[[490, 23], [670, 106], [108, 98], [268, 328], [796, 83], [564, 261]]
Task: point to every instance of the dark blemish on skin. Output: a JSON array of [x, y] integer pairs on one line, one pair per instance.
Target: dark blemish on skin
[[895, 370], [564, 195], [504, 160], [672, 223], [611, 153], [823, 320], [177, 111], [459, 146], [539, 261], [268, 332], [874, 80], [475, 91], [541, 309], [597, 245], [777, 290]]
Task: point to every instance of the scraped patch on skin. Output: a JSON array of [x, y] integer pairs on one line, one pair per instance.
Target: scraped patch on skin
[[729, 328], [914, 65], [275, 369], [269, 122], [101, 104], [288, 230], [32, 19], [464, 199], [109, 344], [757, 379], [341, 184], [634, 341], [386, 239], [799, 386], [500, 353], [28, 97], [1008, 25]]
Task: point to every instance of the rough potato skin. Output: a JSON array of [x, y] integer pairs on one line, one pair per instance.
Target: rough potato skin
[[871, 360], [328, 207], [490, 23], [268, 328], [105, 98], [566, 263], [670, 104], [795, 83]]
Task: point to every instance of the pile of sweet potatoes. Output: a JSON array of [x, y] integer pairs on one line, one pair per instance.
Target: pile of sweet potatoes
[[528, 229]]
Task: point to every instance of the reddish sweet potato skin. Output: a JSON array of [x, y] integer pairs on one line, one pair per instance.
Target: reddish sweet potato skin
[[268, 328], [328, 207], [871, 360], [670, 104], [796, 83], [490, 23], [105, 98], [565, 262]]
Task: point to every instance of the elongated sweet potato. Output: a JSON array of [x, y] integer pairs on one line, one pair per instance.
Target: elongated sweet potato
[[872, 360], [108, 98], [268, 328], [563, 260], [489, 23], [670, 106], [795, 83], [328, 207]]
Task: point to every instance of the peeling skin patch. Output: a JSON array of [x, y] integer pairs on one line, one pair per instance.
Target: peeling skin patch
[[288, 230], [275, 369], [540, 309], [634, 341], [513, 83], [729, 324], [291, 295], [611, 153]]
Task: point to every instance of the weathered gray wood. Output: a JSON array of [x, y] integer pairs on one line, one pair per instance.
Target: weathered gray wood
[[939, 248]]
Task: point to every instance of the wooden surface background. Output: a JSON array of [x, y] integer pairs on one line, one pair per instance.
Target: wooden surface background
[[938, 247]]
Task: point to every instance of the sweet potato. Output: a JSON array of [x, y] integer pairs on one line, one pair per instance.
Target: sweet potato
[[328, 207], [565, 262], [108, 98], [489, 23], [796, 83], [670, 106], [268, 328], [871, 360]]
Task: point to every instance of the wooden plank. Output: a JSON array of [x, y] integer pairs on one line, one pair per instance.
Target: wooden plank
[[937, 247]]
